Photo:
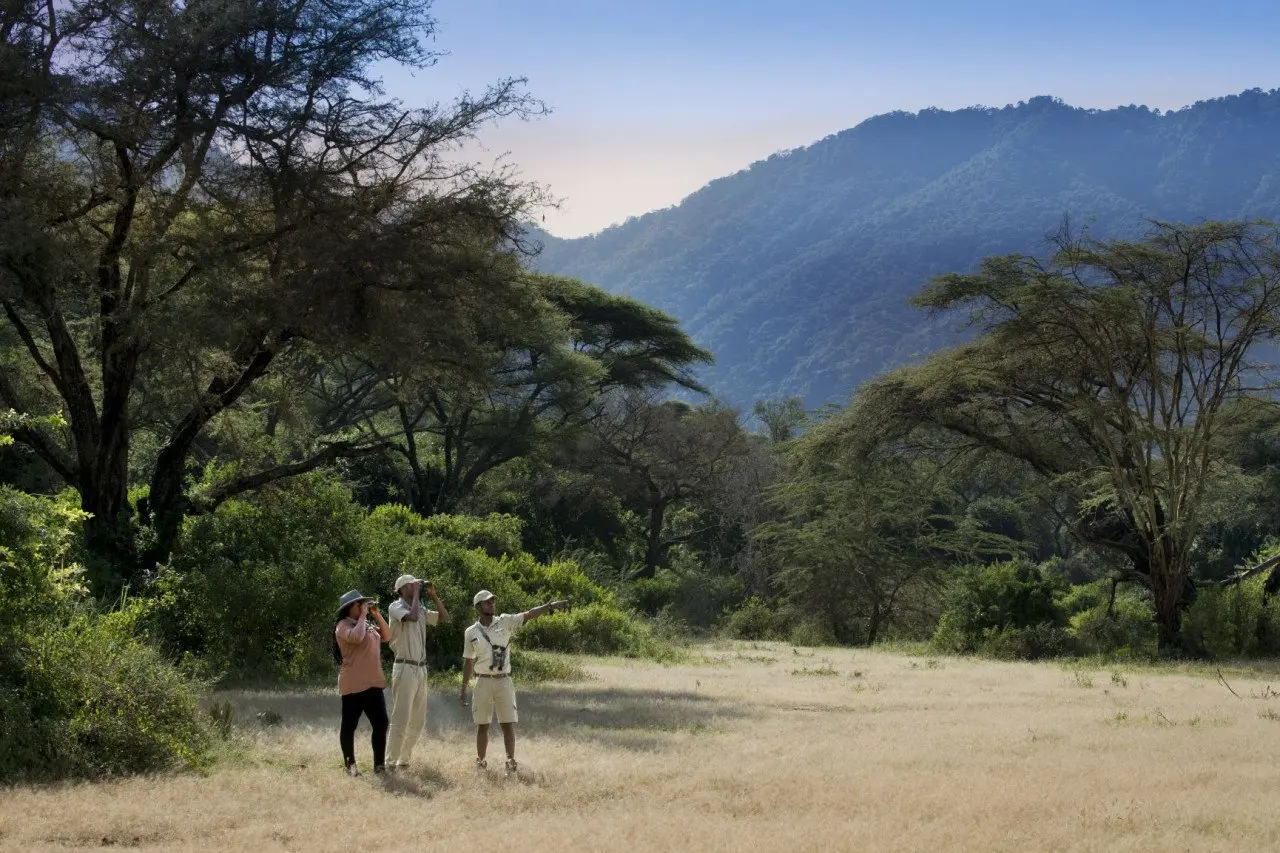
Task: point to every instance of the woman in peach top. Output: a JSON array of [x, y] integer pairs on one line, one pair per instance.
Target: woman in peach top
[[357, 649]]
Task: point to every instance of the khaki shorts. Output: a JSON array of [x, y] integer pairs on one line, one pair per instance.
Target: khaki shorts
[[493, 695]]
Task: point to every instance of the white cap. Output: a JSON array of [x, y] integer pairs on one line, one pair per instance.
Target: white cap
[[482, 595], [404, 579]]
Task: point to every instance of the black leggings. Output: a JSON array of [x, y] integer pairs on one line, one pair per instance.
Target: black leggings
[[373, 705]]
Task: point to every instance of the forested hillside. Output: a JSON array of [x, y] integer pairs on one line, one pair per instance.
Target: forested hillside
[[796, 271]]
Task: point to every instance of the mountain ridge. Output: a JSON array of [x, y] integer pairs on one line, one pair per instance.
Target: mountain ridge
[[796, 270]]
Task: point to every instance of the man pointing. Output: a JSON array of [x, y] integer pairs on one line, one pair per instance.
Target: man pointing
[[485, 648]]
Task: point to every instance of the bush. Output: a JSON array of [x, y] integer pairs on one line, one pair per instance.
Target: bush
[[755, 620], [82, 692], [496, 534], [534, 667], [115, 705], [811, 632], [1232, 622], [251, 588], [1033, 642], [687, 590], [1129, 631], [39, 538], [594, 629], [281, 561], [1006, 609], [655, 594]]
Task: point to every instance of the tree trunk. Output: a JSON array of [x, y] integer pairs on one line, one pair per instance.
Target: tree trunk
[[654, 552], [1173, 593], [873, 624], [166, 505], [167, 502], [105, 491], [113, 560]]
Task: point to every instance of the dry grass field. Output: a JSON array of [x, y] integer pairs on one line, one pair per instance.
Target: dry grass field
[[748, 747]]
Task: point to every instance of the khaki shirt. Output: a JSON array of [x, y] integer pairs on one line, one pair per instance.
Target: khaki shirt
[[409, 639], [500, 631]]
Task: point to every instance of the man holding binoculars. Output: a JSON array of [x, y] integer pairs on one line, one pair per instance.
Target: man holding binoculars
[[409, 672]]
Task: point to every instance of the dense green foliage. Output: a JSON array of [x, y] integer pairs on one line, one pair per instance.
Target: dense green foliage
[[252, 586], [82, 690], [1004, 610], [1107, 413], [796, 271]]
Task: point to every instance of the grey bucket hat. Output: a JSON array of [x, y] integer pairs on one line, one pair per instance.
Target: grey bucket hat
[[350, 598]]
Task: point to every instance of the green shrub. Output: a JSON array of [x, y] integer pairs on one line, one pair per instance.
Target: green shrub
[[119, 706], [533, 667], [687, 590], [1032, 642], [39, 574], [82, 692], [281, 562], [811, 632], [1232, 622], [598, 629], [496, 534], [1129, 630], [652, 595], [251, 588], [755, 620], [988, 608]]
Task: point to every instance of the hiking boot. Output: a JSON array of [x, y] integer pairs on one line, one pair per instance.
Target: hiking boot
[[512, 767], [481, 764], [380, 770]]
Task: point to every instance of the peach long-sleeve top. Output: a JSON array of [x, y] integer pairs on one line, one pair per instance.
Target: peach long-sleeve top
[[361, 667]]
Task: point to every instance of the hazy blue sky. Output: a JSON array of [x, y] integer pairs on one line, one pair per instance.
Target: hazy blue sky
[[653, 98]]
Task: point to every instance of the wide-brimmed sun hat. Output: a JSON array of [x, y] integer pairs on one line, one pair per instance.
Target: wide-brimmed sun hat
[[350, 598]]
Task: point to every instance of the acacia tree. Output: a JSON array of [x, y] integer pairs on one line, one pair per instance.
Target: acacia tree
[[1110, 369], [864, 535], [539, 383], [197, 196], [660, 454], [783, 419]]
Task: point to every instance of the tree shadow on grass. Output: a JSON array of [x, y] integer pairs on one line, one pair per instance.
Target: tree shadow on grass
[[640, 720]]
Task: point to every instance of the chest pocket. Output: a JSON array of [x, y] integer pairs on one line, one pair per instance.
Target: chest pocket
[[498, 656]]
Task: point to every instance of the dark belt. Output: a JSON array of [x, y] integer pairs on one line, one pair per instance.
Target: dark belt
[[411, 662], [491, 675]]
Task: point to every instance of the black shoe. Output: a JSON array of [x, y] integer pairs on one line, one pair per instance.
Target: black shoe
[[380, 770]]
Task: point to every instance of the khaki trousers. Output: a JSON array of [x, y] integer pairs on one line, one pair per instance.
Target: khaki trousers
[[408, 711]]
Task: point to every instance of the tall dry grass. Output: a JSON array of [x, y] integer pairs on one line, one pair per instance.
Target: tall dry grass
[[756, 747]]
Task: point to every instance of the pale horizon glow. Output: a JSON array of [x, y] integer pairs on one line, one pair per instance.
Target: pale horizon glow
[[650, 103]]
